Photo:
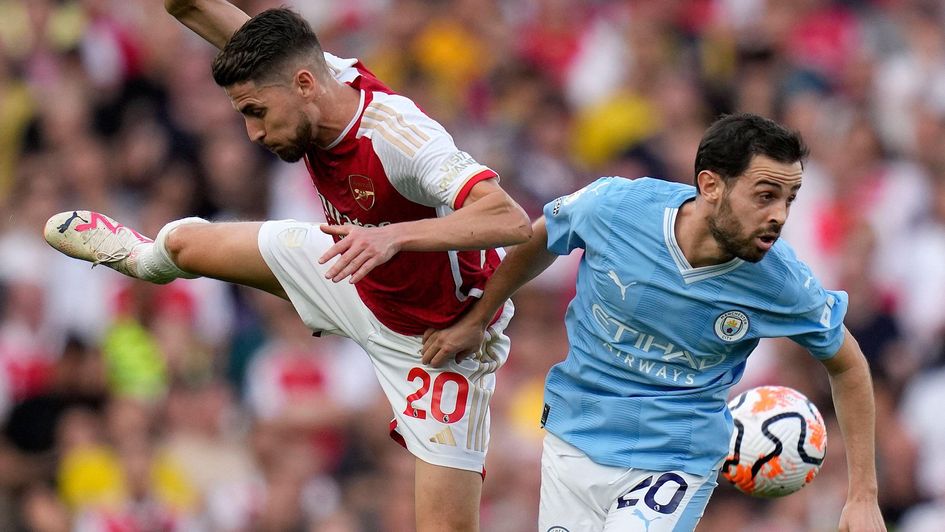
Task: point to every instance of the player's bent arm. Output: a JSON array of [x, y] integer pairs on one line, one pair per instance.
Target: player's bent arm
[[523, 263], [852, 391], [214, 20], [488, 218]]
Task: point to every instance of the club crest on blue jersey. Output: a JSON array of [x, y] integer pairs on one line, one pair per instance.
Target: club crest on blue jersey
[[731, 326]]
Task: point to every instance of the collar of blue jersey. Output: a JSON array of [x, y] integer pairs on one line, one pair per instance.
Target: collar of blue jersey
[[690, 275]]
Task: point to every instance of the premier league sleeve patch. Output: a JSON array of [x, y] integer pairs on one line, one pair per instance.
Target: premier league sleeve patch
[[557, 207]]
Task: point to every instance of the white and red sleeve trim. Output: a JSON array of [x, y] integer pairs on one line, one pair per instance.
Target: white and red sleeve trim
[[464, 190]]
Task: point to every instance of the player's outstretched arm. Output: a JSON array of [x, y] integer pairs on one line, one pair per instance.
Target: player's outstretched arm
[[489, 218], [522, 264], [853, 400], [214, 20]]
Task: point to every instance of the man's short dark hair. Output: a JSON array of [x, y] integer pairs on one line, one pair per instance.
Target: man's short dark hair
[[265, 47], [731, 141]]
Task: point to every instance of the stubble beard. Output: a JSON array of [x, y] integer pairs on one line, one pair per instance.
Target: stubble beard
[[304, 138], [726, 228]]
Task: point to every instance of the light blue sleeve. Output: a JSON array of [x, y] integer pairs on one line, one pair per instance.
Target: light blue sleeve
[[569, 219], [819, 321]]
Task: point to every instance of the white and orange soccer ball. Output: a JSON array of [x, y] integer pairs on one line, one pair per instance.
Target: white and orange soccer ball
[[779, 442]]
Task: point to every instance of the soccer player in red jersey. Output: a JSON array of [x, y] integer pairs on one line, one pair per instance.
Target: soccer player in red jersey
[[412, 223]]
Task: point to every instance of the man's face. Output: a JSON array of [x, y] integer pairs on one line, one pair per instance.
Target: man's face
[[274, 118], [754, 206]]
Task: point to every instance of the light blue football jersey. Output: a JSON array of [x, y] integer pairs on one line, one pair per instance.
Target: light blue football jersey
[[655, 344]]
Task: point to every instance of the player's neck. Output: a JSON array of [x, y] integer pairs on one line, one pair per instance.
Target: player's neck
[[694, 237], [338, 104]]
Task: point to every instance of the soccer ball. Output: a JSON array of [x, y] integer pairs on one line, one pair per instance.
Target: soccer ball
[[779, 442]]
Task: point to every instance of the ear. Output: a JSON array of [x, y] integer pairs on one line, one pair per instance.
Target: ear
[[711, 186], [306, 83]]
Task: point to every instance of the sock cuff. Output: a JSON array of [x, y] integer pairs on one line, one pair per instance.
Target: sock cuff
[[167, 265]]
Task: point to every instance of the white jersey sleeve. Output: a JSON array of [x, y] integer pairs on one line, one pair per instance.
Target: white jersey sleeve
[[418, 155]]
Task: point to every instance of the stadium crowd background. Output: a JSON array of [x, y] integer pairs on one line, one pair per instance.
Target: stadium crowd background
[[201, 406]]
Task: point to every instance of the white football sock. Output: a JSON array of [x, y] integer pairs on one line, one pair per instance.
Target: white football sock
[[152, 261]]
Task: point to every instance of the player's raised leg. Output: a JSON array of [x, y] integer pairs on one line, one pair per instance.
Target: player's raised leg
[[447, 498], [187, 248], [225, 251]]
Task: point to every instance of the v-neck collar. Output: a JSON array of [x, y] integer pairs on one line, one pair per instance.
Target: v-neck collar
[[347, 129], [689, 274]]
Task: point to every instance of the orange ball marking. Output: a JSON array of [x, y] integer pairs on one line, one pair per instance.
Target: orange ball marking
[[741, 478], [773, 467], [818, 434], [770, 397]]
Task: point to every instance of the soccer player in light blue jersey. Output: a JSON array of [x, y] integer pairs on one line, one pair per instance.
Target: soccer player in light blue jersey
[[676, 287]]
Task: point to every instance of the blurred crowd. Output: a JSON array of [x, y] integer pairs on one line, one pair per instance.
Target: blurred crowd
[[200, 406]]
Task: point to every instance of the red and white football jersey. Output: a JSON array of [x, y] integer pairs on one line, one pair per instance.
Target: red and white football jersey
[[395, 164]]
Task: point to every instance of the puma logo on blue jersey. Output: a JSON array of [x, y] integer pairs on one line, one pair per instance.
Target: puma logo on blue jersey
[[623, 287]]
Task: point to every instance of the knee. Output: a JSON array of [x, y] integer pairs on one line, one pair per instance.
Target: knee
[[447, 499], [181, 239], [176, 243]]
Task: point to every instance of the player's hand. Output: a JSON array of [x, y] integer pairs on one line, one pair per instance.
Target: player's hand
[[359, 251], [861, 516], [456, 342]]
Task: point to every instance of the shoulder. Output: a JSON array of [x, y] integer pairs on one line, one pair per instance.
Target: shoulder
[[642, 186], [595, 192], [352, 72], [661, 189], [623, 193], [343, 69], [799, 286], [395, 121], [397, 111], [782, 258], [646, 194]]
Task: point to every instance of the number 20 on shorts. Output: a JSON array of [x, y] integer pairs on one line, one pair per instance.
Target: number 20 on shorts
[[632, 497], [436, 402]]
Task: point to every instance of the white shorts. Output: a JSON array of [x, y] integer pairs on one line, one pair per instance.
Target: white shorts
[[578, 494], [441, 415]]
